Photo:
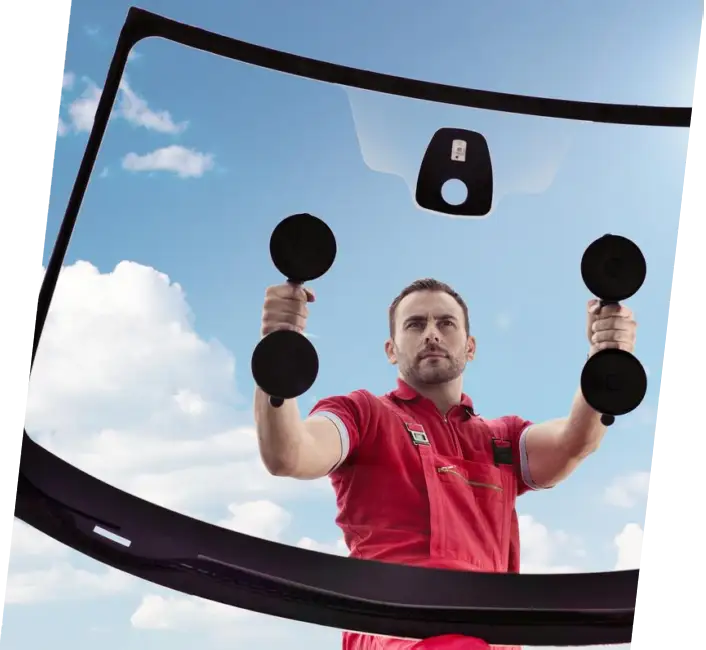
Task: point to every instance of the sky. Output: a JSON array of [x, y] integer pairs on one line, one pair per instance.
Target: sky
[[142, 377]]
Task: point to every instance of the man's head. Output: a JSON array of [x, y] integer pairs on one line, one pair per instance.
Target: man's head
[[429, 333]]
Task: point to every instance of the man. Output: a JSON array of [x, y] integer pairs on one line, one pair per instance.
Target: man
[[420, 479]]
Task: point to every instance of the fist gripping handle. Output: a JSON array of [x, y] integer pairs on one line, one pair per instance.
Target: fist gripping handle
[[613, 381], [285, 363], [276, 402], [606, 419]]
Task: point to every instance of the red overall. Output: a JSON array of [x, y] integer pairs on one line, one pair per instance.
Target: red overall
[[422, 488]]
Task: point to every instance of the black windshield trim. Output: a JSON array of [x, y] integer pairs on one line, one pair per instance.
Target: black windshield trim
[[197, 558]]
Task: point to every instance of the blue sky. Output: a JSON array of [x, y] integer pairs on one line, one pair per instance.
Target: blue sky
[[239, 148]]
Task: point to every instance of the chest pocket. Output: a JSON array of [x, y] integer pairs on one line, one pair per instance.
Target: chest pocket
[[470, 504]]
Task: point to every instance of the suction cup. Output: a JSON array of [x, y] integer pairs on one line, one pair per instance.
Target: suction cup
[[613, 268], [285, 364], [613, 382], [303, 248]]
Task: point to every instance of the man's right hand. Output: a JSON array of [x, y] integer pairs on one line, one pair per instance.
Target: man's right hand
[[286, 308]]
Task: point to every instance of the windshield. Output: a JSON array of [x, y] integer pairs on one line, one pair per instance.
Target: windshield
[[143, 376]]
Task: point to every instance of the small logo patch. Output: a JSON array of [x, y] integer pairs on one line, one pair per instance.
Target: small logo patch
[[419, 437]]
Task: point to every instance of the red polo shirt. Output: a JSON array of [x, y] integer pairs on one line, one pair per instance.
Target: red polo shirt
[[416, 486]]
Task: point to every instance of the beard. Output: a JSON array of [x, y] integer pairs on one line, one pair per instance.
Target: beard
[[432, 371]]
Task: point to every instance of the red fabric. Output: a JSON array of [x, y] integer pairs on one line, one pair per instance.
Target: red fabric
[[443, 505], [451, 642], [447, 642]]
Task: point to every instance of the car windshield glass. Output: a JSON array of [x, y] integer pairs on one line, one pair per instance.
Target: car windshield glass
[[143, 374]]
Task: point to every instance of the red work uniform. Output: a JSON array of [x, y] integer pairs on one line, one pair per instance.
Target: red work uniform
[[449, 483]]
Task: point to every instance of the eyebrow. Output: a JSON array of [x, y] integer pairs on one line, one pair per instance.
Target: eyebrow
[[417, 318]]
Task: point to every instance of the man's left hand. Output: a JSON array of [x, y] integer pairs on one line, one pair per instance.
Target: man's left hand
[[611, 326]]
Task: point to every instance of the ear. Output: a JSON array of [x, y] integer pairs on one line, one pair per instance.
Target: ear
[[471, 348], [390, 351]]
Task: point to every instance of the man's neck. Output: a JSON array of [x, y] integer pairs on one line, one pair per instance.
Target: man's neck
[[444, 396]]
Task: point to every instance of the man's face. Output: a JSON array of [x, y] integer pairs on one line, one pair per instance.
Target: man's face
[[431, 345]]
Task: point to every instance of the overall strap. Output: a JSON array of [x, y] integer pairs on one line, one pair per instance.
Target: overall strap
[[415, 430]]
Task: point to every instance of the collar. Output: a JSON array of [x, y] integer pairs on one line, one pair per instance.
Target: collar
[[406, 393]]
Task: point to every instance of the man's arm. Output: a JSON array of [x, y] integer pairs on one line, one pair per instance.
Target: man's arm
[[555, 448], [291, 446], [316, 446]]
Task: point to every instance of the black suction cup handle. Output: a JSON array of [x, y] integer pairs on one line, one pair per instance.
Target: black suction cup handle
[[613, 269], [607, 420], [302, 248], [276, 402]]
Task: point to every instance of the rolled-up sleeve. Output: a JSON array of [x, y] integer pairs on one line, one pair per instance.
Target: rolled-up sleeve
[[350, 414], [516, 429]]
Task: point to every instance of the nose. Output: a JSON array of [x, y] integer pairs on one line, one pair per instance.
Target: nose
[[432, 334]]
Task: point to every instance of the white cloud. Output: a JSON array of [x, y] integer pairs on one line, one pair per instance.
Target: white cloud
[[68, 82], [82, 111], [183, 613], [185, 163], [262, 518], [627, 491], [63, 582], [117, 349], [542, 547], [337, 548], [190, 402], [135, 110], [29, 542], [130, 107], [629, 545]]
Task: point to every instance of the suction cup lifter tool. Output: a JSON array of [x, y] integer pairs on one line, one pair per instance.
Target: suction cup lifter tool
[[285, 363], [613, 381]]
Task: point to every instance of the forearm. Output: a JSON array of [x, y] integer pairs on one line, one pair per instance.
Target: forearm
[[555, 448], [583, 431], [280, 433]]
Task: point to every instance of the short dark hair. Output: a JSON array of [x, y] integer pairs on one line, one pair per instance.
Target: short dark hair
[[427, 284]]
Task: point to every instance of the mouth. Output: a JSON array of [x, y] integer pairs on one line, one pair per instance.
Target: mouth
[[433, 355]]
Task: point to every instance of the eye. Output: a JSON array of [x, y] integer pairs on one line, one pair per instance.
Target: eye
[[447, 323]]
